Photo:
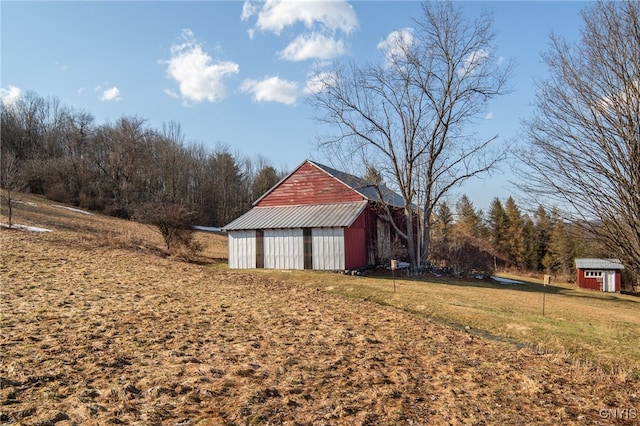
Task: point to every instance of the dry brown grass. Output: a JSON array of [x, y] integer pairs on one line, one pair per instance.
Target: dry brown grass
[[100, 327], [588, 326]]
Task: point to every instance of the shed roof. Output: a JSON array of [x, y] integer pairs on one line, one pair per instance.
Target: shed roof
[[598, 264], [300, 216]]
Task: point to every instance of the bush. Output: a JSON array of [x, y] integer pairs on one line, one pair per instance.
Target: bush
[[464, 255], [175, 223]]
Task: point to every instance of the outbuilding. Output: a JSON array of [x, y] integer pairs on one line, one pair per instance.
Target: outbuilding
[[599, 274], [315, 218]]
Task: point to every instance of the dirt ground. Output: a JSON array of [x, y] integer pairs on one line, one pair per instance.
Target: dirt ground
[[95, 333]]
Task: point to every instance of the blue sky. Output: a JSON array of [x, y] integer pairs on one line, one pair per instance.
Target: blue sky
[[234, 73]]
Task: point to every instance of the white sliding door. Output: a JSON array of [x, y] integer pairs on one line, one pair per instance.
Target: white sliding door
[[283, 249]]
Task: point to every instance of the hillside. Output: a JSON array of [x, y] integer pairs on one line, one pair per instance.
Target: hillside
[[99, 326]]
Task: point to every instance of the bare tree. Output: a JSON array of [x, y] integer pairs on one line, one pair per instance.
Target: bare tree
[[584, 138], [225, 192], [409, 118], [11, 180], [120, 153]]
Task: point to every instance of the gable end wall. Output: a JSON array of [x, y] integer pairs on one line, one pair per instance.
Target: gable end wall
[[309, 185]]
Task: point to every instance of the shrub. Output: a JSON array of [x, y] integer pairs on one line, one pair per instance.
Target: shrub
[[174, 222]]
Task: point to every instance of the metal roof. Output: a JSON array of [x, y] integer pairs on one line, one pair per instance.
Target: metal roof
[[598, 264], [299, 216], [363, 187]]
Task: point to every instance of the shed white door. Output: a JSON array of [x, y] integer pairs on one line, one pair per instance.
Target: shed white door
[[242, 249], [328, 248], [609, 281], [283, 249]]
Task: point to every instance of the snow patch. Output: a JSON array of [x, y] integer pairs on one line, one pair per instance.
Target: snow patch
[[25, 227], [207, 228], [505, 280], [73, 210]]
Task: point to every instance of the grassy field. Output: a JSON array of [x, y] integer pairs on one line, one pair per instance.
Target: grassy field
[[588, 327], [100, 326]]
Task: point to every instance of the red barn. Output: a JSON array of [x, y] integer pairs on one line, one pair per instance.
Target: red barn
[[599, 274], [315, 218]]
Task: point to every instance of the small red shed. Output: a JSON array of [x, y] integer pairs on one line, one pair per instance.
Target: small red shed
[[599, 274], [315, 218]]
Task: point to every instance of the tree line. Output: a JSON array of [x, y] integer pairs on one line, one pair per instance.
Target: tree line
[[467, 240], [129, 170], [410, 120], [124, 167]]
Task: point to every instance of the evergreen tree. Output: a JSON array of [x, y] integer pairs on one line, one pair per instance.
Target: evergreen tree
[[543, 225], [530, 253], [469, 220], [442, 227], [498, 224], [515, 232], [266, 178], [561, 250], [468, 251]]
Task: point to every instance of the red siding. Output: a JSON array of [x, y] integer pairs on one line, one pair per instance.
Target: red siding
[[618, 281], [309, 185], [591, 283], [596, 283], [355, 248]]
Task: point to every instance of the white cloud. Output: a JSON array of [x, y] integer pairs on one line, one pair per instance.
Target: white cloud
[[272, 89], [319, 82], [10, 95], [111, 94], [472, 61], [275, 15], [323, 19], [248, 10], [395, 45], [489, 116], [199, 77], [312, 46]]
